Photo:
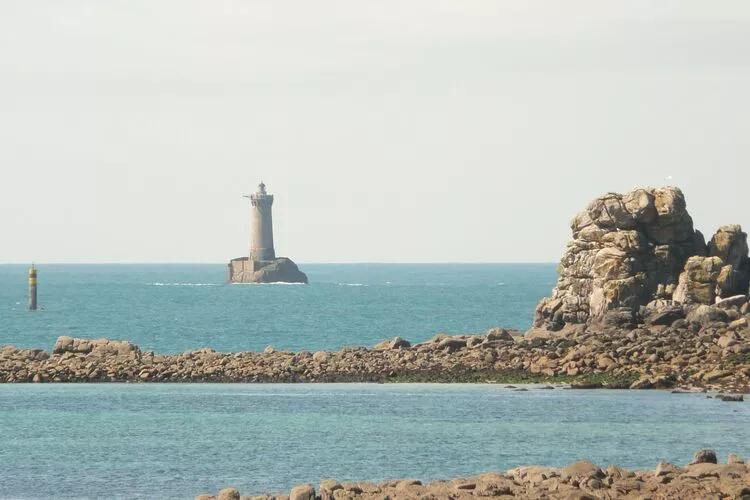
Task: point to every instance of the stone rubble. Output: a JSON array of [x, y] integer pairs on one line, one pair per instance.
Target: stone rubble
[[583, 480], [693, 352]]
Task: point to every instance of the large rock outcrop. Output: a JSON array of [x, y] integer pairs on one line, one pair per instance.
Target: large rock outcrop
[[639, 248], [281, 270]]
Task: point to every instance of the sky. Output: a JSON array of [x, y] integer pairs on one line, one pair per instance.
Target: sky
[[388, 130]]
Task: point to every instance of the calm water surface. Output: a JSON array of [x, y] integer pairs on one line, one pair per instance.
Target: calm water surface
[[172, 308], [175, 441]]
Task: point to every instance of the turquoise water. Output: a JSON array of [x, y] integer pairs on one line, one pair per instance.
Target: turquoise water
[[175, 441], [172, 308]]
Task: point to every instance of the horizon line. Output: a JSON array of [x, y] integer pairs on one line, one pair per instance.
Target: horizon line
[[88, 262]]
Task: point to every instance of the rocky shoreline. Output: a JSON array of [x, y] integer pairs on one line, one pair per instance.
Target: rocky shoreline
[[642, 301], [688, 355], [583, 480]]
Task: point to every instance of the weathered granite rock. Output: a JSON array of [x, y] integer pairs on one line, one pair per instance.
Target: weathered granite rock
[[704, 354], [303, 492], [281, 270], [698, 283], [395, 343], [640, 249], [664, 468], [704, 456], [578, 481], [328, 487], [229, 494], [664, 315], [626, 251], [730, 245], [723, 274], [705, 315], [731, 302], [500, 334], [100, 347]]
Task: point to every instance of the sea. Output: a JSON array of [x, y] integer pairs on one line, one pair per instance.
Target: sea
[[139, 441], [172, 308]]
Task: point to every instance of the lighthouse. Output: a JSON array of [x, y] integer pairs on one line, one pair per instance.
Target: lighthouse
[[261, 265], [261, 241]]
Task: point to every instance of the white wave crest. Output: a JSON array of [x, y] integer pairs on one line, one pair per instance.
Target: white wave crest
[[184, 284], [352, 284], [271, 283]]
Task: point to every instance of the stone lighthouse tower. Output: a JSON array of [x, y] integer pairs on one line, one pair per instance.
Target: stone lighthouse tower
[[261, 243], [262, 265]]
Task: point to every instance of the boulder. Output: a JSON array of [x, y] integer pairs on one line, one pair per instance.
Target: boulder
[[702, 470], [97, 348], [730, 302], [498, 334], [395, 343], [704, 315], [228, 494], [704, 456], [644, 382], [663, 468], [538, 333], [320, 356], [63, 344], [665, 315], [328, 487], [738, 324], [452, 344], [730, 245], [302, 492], [584, 469], [698, 282]]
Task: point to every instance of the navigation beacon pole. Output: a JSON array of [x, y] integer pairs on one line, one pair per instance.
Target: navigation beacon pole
[[32, 288]]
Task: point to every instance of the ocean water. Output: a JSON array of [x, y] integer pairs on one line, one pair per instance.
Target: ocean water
[[176, 441], [172, 308], [129, 441]]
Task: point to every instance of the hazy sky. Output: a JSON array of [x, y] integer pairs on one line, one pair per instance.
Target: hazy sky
[[389, 130]]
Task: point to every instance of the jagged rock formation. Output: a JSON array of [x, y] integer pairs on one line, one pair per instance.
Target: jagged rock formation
[[281, 270], [640, 249], [723, 273]]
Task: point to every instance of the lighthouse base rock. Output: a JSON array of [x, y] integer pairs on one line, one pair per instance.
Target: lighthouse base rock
[[281, 270]]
